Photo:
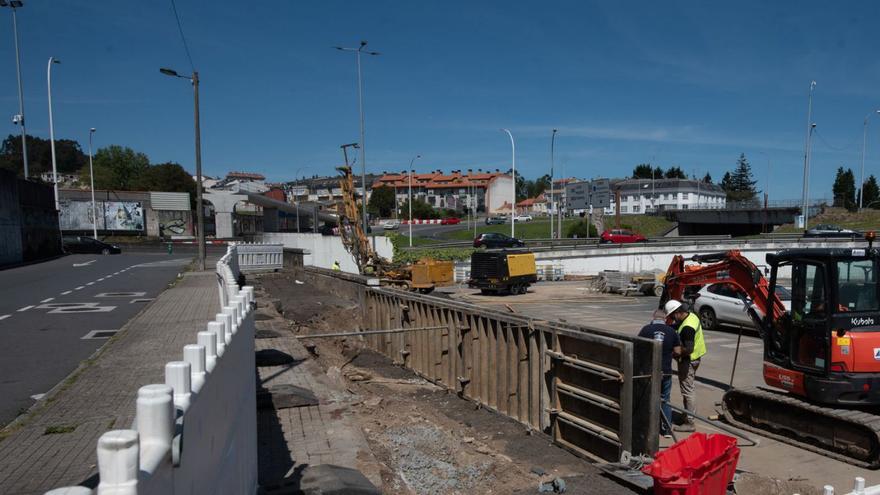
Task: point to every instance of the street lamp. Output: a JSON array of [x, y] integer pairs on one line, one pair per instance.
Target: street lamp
[[864, 141], [92, 177], [200, 213], [295, 201], [552, 143], [52, 61], [809, 136], [513, 186], [19, 119], [410, 196], [358, 51]]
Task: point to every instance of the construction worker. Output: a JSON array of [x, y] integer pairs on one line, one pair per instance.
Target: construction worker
[[336, 267], [687, 324], [670, 346]]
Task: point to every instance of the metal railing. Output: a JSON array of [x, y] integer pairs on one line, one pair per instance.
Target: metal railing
[[259, 256]]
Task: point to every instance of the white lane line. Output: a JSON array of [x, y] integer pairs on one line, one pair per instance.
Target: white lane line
[[80, 287], [38, 396], [47, 299], [25, 308], [3, 317], [90, 283], [66, 292], [87, 263], [102, 278]]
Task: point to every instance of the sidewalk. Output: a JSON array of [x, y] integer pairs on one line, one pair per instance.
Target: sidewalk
[[55, 445]]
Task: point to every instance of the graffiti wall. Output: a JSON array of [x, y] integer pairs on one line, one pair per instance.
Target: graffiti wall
[[111, 215]]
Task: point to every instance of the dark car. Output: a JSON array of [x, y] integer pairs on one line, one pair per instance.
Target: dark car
[[829, 230], [621, 236], [493, 240], [87, 245]]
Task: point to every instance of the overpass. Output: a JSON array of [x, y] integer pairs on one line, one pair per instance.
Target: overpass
[[739, 221]]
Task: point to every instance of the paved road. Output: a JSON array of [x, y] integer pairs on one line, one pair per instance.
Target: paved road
[[49, 311]]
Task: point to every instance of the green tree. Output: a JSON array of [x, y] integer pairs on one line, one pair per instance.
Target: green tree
[[119, 168], [382, 202], [707, 179], [69, 157], [420, 210], [844, 189], [871, 193], [582, 230], [740, 185], [643, 171], [675, 173]]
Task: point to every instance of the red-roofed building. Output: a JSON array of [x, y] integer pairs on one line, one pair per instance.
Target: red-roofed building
[[532, 206], [455, 190]]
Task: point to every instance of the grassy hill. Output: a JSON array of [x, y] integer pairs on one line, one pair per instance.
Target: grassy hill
[[864, 220]]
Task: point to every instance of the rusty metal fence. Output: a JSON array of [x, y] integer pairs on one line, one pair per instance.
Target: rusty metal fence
[[595, 392]]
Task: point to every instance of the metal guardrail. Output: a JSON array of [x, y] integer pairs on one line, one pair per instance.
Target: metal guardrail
[[580, 385], [571, 243]]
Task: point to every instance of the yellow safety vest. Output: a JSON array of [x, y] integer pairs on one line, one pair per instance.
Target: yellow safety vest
[[693, 321]]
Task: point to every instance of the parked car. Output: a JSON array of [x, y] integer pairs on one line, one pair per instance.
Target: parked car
[[829, 230], [391, 224], [621, 236], [87, 245], [496, 220], [722, 304], [492, 240], [450, 221], [522, 218]]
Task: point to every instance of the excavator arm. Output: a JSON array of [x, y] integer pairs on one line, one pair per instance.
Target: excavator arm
[[724, 267]]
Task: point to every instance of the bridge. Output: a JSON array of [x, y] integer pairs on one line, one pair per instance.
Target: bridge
[[738, 221]]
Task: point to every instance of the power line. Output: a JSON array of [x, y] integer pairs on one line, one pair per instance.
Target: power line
[[182, 36], [835, 148]]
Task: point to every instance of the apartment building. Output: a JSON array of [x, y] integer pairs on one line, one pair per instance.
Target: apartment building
[[639, 196]]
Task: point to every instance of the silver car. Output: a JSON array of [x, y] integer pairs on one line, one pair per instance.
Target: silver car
[[722, 304]]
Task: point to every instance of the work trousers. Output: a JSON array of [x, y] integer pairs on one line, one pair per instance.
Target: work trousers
[[687, 375]]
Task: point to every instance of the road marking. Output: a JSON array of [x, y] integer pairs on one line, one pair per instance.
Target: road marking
[[66, 292], [87, 263], [25, 308], [102, 278], [4, 317], [80, 287], [99, 334], [47, 299], [38, 396], [90, 283], [744, 344]]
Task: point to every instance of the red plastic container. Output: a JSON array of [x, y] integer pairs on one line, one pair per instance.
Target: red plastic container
[[698, 465]]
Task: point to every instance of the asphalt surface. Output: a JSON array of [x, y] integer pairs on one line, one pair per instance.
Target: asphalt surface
[[49, 311]]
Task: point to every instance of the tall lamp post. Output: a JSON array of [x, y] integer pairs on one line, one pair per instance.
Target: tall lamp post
[[52, 61], [864, 143], [358, 51], [200, 209], [552, 143], [92, 177], [409, 203], [808, 138], [19, 119], [513, 185], [295, 201]]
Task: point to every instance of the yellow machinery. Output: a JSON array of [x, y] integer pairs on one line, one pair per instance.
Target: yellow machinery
[[424, 275], [500, 271]]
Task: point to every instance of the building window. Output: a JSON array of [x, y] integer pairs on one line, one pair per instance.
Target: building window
[[623, 209], [636, 209]]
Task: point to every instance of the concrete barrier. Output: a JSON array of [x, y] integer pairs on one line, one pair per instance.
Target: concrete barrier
[[322, 250], [197, 432], [259, 256]]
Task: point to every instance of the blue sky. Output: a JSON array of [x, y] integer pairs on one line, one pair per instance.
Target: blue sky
[[691, 84]]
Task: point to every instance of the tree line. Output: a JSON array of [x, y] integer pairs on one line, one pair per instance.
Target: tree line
[[846, 195], [116, 167]]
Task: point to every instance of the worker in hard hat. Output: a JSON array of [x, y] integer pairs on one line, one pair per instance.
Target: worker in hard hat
[[336, 267], [690, 332]]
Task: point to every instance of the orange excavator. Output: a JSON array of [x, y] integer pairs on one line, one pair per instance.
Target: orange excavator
[[821, 358]]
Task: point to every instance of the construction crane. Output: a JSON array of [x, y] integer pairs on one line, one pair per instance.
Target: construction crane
[[423, 276], [822, 358]]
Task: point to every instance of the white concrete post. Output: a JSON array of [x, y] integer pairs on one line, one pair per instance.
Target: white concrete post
[[859, 486], [208, 340], [118, 462], [71, 490], [155, 423], [249, 292], [243, 307], [827, 490], [178, 375], [232, 312], [218, 328], [195, 355]]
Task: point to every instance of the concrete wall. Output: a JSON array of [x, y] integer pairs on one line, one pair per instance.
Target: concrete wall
[[197, 432], [28, 221], [10, 220], [154, 220], [322, 250]]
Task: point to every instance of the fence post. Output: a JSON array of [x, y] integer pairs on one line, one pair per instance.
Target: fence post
[[208, 340], [118, 462]]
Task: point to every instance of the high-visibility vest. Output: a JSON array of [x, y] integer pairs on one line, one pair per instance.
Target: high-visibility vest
[[693, 321]]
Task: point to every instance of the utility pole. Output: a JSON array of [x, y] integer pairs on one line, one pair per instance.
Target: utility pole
[[513, 185], [52, 61], [19, 119], [810, 126], [92, 177], [552, 143], [864, 143]]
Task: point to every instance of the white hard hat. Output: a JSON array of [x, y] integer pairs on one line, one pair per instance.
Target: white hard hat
[[671, 306]]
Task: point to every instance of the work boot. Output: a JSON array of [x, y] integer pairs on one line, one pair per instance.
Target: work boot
[[687, 428]]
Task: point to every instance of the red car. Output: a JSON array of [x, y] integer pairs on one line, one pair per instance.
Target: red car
[[621, 236], [450, 221]]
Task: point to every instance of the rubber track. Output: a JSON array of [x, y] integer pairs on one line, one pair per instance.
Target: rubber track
[[867, 421]]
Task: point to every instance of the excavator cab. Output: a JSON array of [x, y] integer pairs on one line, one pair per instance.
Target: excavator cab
[[827, 347]]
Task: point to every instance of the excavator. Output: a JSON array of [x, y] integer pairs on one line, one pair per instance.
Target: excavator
[[422, 276], [821, 358]]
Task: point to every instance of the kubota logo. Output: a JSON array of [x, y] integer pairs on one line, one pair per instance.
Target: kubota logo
[[861, 321]]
